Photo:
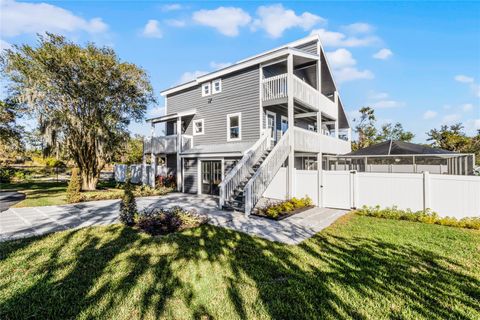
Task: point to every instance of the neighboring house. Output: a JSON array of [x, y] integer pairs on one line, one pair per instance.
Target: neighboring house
[[228, 132], [400, 156]]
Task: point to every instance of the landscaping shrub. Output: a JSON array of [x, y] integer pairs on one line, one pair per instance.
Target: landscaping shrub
[[128, 205], [6, 174], [169, 181], [427, 216], [277, 209], [74, 186], [163, 221]]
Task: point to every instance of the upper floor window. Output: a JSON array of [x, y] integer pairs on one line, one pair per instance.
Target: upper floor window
[[234, 127], [311, 127], [206, 89], [198, 127], [217, 86]]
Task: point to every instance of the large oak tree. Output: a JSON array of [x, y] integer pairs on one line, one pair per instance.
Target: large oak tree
[[86, 94]]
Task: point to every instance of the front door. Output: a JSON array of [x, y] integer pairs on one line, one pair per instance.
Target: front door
[[271, 124], [211, 176]]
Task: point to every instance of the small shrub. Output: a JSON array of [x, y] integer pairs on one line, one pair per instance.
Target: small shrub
[[74, 186], [128, 205], [277, 209], [169, 181], [428, 216], [163, 221]]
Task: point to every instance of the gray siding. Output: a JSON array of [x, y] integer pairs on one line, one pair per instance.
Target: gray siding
[[240, 93], [309, 47], [190, 177]]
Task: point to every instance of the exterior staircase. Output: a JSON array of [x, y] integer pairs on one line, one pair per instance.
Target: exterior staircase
[[236, 201]]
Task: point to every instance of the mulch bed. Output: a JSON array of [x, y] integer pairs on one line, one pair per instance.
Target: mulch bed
[[283, 215]]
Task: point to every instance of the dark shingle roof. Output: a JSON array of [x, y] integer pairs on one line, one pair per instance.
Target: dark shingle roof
[[397, 147]]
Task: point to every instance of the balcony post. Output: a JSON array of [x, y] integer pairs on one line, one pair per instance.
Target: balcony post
[[179, 149], [336, 129], [153, 158], [291, 125]]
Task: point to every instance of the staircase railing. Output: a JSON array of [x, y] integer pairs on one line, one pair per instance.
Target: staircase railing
[[259, 182], [243, 167]]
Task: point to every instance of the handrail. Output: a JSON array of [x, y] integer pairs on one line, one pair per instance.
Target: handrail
[[240, 171], [259, 182], [274, 87], [305, 92]]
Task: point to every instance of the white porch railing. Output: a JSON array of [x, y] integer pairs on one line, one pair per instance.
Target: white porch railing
[[306, 140], [166, 144], [274, 87], [305, 92], [259, 182], [243, 167]]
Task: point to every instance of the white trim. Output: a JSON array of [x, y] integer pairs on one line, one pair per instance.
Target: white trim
[[274, 129], [194, 127], [207, 155], [209, 85], [214, 91], [230, 115], [260, 102], [222, 168]]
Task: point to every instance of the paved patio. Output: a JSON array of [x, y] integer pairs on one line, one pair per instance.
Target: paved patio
[[26, 222]]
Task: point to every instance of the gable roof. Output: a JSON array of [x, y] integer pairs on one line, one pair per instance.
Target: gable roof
[[253, 60], [391, 147]]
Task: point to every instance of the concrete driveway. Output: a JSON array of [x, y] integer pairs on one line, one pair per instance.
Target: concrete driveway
[[26, 222]]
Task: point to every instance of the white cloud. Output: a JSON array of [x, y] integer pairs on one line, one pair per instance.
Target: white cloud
[[189, 76], [472, 125], [30, 18], [338, 39], [172, 7], [275, 19], [227, 20], [464, 79], [429, 114], [151, 29], [156, 112], [351, 73], [359, 27], [467, 107], [383, 54], [176, 23], [451, 118], [4, 45], [386, 104], [377, 95], [341, 58], [219, 65]]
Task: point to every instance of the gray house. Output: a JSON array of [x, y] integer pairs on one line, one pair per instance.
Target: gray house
[[227, 133]]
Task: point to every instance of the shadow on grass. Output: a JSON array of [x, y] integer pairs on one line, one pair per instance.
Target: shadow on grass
[[117, 272]]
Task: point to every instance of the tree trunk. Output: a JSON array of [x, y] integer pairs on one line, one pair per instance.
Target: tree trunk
[[89, 182]]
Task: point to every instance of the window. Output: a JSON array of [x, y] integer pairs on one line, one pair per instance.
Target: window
[[234, 127], [216, 86], [206, 89], [198, 127], [311, 127], [284, 124]]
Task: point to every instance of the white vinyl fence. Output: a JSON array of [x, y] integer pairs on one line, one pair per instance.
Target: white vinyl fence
[[449, 195], [135, 171]]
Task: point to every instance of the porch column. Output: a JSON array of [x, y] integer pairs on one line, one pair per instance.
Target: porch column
[[153, 171], [320, 180], [291, 125], [179, 149], [336, 129], [144, 168]]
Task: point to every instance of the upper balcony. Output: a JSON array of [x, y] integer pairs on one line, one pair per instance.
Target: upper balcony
[[275, 91], [166, 144]]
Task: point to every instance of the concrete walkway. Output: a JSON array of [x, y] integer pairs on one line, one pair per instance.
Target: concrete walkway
[[25, 222]]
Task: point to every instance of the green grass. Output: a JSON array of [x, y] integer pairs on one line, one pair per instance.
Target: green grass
[[360, 267], [44, 193]]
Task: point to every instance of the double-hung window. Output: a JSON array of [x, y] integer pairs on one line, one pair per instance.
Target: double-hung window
[[216, 86], [206, 89], [198, 127], [234, 127]]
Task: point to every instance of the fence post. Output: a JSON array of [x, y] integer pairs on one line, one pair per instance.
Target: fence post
[[426, 190], [353, 189]]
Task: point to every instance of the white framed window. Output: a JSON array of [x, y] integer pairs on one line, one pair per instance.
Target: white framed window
[[311, 127], [206, 89], [234, 127], [284, 124], [198, 127], [216, 86]]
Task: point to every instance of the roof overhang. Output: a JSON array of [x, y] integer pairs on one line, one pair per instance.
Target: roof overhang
[[249, 62], [172, 116]]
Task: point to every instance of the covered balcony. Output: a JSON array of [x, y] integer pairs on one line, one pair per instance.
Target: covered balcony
[[166, 144]]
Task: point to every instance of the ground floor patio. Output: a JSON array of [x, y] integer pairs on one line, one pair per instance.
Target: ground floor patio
[[26, 222]]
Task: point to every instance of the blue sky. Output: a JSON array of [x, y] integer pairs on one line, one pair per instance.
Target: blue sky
[[417, 63]]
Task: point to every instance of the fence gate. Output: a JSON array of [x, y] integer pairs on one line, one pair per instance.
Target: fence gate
[[337, 189]]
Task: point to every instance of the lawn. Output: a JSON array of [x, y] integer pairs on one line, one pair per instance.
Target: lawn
[[45, 193], [360, 267]]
